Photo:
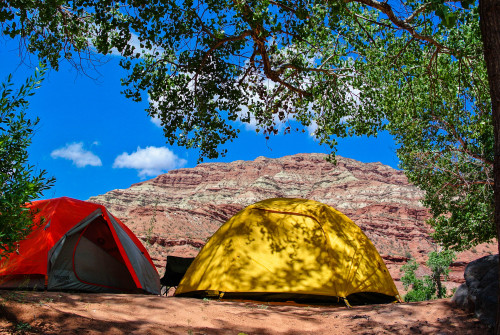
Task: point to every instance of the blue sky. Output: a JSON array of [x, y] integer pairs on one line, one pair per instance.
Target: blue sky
[[94, 140]]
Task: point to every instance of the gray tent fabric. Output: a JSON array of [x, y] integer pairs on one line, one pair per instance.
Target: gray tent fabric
[[56, 249], [91, 269], [60, 259], [77, 263], [147, 275]]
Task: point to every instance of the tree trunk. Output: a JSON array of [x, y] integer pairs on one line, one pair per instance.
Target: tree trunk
[[489, 12], [439, 285]]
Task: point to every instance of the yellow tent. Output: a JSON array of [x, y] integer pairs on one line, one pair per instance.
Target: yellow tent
[[290, 249]]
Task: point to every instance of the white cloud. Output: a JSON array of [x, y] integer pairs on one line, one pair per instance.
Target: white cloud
[[79, 156], [287, 55], [150, 161], [311, 129], [352, 98], [155, 120], [134, 41]]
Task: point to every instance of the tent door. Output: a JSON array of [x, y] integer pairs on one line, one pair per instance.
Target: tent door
[[89, 260]]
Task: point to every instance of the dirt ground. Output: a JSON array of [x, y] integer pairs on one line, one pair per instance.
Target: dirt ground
[[24, 312]]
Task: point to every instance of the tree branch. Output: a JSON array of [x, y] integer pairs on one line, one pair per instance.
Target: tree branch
[[387, 9], [242, 36]]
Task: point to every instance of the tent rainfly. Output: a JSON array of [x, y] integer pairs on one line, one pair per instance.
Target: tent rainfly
[[290, 249], [78, 245]]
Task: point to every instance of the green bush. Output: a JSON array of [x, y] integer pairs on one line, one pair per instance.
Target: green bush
[[19, 182], [427, 287]]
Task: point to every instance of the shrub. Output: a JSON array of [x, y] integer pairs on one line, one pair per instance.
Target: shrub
[[427, 287]]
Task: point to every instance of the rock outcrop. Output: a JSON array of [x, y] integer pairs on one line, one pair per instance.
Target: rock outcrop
[[178, 211], [480, 291]]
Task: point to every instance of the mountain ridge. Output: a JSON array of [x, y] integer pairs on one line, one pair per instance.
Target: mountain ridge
[[176, 212]]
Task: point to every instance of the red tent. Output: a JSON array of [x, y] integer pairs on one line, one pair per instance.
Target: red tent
[[78, 245]]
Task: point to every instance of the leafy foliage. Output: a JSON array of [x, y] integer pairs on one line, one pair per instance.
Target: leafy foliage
[[343, 68], [421, 288], [206, 64], [19, 182], [439, 110], [427, 287], [71, 30]]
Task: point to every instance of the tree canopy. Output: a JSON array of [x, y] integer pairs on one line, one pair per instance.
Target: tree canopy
[[206, 63], [352, 67], [438, 108]]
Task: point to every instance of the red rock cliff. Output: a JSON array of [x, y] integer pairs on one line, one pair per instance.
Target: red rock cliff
[[175, 213]]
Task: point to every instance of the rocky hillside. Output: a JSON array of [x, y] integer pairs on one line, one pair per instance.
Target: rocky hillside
[[175, 213]]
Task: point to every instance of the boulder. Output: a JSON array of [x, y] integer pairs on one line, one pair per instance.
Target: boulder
[[480, 291], [461, 296]]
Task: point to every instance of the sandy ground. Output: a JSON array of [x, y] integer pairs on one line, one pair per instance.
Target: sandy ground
[[71, 313]]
